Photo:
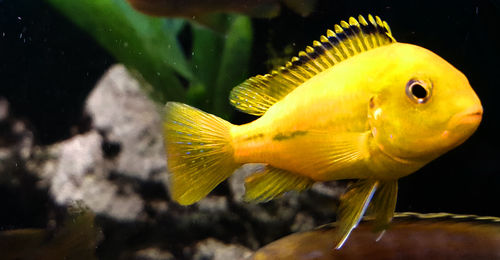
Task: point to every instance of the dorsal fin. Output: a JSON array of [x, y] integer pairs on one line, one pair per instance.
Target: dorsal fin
[[257, 94]]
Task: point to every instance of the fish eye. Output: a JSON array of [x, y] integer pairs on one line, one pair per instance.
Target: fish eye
[[418, 91]]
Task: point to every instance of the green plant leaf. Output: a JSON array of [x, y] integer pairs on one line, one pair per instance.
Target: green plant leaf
[[233, 68], [205, 61], [147, 45]]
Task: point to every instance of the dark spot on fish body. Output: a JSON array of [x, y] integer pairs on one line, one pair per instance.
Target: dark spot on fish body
[[254, 137], [372, 103], [285, 136], [280, 137]]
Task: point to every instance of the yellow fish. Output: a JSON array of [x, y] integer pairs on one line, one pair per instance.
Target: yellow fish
[[355, 105]]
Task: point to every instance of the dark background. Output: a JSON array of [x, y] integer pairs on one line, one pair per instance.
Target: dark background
[[48, 66]]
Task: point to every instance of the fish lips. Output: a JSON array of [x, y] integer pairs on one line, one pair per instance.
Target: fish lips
[[463, 124]]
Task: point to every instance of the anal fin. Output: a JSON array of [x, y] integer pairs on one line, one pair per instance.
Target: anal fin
[[273, 182], [352, 207]]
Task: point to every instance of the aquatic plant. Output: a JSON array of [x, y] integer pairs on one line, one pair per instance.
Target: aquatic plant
[[200, 72]]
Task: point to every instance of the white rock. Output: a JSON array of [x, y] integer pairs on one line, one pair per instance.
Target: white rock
[[127, 117], [216, 250]]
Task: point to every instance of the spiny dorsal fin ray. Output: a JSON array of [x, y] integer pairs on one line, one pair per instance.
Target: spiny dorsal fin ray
[[257, 94]]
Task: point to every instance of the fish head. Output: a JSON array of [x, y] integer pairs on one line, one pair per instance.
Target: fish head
[[424, 106]]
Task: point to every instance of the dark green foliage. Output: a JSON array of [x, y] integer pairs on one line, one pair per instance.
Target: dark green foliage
[[217, 61]]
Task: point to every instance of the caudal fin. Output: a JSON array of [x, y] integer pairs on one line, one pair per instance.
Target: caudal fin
[[199, 151]]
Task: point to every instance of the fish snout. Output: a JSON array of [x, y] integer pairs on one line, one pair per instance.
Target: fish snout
[[470, 116], [461, 126]]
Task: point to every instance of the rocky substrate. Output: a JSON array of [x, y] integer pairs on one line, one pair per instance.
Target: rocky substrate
[[118, 169]]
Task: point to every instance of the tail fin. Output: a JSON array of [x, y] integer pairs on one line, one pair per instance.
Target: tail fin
[[199, 151]]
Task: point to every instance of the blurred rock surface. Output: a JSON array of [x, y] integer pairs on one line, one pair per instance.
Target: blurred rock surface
[[24, 204], [215, 250], [153, 253], [129, 123], [16, 140], [83, 174], [103, 166], [118, 169]]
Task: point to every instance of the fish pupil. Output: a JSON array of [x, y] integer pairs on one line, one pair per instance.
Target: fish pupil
[[418, 91]]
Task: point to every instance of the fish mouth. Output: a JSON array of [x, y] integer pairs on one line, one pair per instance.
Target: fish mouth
[[470, 116]]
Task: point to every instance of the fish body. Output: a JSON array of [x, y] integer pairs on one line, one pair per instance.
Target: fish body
[[411, 236], [332, 106], [356, 105]]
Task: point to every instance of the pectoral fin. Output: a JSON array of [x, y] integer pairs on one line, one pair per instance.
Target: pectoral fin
[[352, 207], [383, 204], [273, 182], [326, 152]]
